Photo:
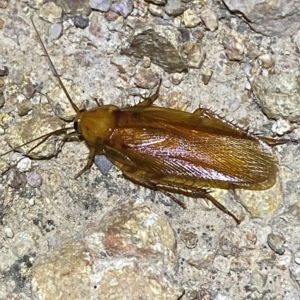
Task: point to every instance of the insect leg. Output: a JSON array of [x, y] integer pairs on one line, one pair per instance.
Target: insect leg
[[145, 180], [89, 163], [149, 100], [274, 142]]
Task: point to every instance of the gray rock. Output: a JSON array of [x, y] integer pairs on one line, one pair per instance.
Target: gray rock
[[270, 18]]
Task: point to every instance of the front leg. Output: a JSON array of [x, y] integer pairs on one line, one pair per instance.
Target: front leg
[[149, 100]]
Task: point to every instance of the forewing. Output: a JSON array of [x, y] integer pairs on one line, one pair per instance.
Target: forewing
[[178, 145]]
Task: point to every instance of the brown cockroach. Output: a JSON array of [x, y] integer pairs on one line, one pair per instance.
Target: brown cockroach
[[174, 151]]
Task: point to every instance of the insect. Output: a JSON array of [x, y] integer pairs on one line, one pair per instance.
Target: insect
[[174, 151]]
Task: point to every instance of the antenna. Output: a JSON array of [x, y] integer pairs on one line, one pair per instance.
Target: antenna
[[54, 70]]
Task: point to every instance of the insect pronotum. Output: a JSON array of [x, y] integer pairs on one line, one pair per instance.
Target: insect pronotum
[[173, 151]]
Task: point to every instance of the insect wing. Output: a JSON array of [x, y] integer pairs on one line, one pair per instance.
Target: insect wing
[[178, 146]]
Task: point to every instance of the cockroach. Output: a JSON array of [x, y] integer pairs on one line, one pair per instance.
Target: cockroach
[[174, 151]]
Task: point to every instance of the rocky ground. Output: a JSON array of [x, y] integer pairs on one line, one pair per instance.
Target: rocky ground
[[101, 236]]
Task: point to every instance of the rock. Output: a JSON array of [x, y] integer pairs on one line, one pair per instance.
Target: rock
[[149, 40], [102, 5], [234, 46], [195, 54], [191, 18], [51, 12], [270, 18], [278, 95], [210, 19], [122, 7], [174, 8]]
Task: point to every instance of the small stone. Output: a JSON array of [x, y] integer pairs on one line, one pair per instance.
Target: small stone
[[34, 179], [95, 26], [195, 54], [102, 5], [111, 15], [122, 7], [277, 243], [8, 232], [3, 4], [174, 8], [2, 83], [156, 10], [146, 78], [191, 18], [198, 34], [201, 258], [297, 258], [278, 95], [116, 25], [1, 24], [284, 261], [4, 71], [146, 62], [24, 164], [210, 19], [266, 60], [206, 75], [233, 43], [81, 22], [55, 31], [24, 107], [36, 4], [176, 78], [281, 127], [17, 76], [28, 90], [189, 238], [51, 12], [31, 202], [103, 164]]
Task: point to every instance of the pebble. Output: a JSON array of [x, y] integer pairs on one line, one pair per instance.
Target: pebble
[[24, 107], [156, 10], [233, 43], [51, 12], [81, 22], [297, 258], [2, 82], [174, 8], [198, 33], [281, 127], [103, 164], [34, 179], [8, 232], [284, 260], [277, 243], [206, 75], [210, 19], [189, 238], [266, 60], [4, 71], [157, 2], [191, 18], [195, 54], [116, 25], [102, 5], [24, 164], [28, 90], [55, 31], [176, 78], [123, 7], [17, 76]]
